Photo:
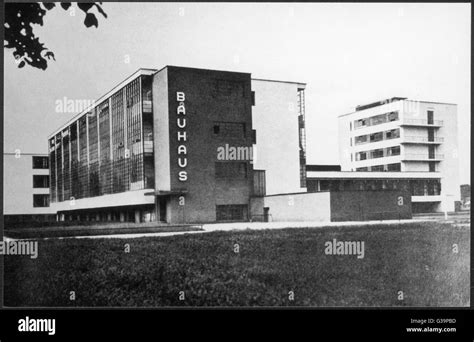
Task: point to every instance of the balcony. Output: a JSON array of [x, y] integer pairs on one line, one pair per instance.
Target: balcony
[[148, 146], [421, 123], [147, 106], [422, 157], [421, 140]]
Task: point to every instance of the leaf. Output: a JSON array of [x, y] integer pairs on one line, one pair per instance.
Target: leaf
[[65, 5], [48, 5], [84, 6], [50, 55], [90, 20]]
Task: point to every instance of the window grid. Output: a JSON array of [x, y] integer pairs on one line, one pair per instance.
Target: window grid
[[40, 200], [377, 136], [376, 120], [40, 162], [378, 153], [229, 129]]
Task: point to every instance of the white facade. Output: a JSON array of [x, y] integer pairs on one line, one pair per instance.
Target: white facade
[[275, 118], [407, 136], [18, 187]]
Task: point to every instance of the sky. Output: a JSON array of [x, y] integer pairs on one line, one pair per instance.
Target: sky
[[348, 54]]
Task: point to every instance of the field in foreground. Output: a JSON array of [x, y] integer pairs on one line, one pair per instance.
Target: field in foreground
[[410, 265]]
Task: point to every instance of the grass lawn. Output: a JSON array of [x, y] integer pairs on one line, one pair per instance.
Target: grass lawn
[[417, 259]]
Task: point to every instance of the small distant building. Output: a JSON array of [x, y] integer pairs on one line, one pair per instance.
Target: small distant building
[[26, 188], [400, 136]]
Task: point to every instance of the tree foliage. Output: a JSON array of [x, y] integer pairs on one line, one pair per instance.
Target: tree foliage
[[19, 35]]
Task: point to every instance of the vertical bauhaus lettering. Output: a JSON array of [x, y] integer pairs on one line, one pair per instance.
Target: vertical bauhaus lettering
[[182, 136]]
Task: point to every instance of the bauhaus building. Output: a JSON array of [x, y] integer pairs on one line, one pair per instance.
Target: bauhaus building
[[179, 145], [184, 145]]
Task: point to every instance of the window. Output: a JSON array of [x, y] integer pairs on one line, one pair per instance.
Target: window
[[235, 212], [393, 151], [360, 139], [377, 153], [361, 156], [430, 117], [376, 137], [377, 168], [393, 116], [362, 169], [394, 167], [378, 119], [40, 162], [237, 170], [40, 181], [392, 134], [229, 129], [40, 201]]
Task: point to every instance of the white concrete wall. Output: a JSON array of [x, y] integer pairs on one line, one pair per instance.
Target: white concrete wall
[[299, 207], [127, 198], [275, 118], [18, 185], [345, 135], [161, 139]]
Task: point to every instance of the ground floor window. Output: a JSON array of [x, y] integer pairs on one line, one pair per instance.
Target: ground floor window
[[40, 201], [235, 212]]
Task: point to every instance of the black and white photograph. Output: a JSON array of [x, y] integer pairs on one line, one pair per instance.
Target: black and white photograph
[[236, 155]]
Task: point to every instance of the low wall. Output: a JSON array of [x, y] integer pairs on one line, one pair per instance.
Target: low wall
[[370, 205], [333, 206], [298, 207]]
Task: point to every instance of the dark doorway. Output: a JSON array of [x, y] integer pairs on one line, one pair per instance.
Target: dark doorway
[[430, 134], [431, 152], [266, 210], [430, 117], [162, 209]]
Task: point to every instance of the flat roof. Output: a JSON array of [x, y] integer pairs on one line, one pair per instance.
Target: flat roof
[[370, 175], [205, 69], [115, 89], [267, 80], [399, 99], [379, 103], [149, 71]]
